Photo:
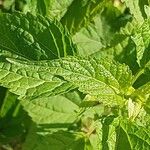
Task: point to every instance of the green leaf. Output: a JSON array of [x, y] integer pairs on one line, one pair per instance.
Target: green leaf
[[143, 94], [103, 80], [137, 9], [147, 106], [74, 96], [89, 39], [108, 133], [94, 36], [142, 77], [143, 91], [49, 8], [141, 39], [25, 80], [14, 123], [122, 139], [34, 37], [122, 47], [8, 105], [136, 137], [99, 30], [60, 140], [51, 110], [96, 137], [79, 14], [147, 11]]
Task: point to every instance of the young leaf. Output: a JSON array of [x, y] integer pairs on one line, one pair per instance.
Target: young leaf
[[133, 137], [143, 92]]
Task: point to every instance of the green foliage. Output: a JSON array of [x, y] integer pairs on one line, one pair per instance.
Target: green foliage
[[75, 75], [39, 35]]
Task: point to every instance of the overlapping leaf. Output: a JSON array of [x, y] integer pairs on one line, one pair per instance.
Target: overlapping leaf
[[60, 140], [99, 31], [137, 9], [101, 79], [141, 39], [133, 137], [49, 8], [79, 13], [33, 37], [56, 110]]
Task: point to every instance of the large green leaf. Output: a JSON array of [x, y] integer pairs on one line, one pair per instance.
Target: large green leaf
[[34, 37], [60, 140], [53, 110], [102, 80], [93, 37], [100, 30], [25, 80], [132, 137]]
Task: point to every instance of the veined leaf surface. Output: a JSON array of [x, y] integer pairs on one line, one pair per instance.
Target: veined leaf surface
[[34, 37], [105, 81]]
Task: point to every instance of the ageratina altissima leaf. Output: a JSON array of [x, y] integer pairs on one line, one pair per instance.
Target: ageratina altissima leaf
[[79, 14], [142, 94], [34, 37], [49, 8], [103, 80], [132, 136], [51, 110], [141, 38], [29, 81], [137, 9], [58, 140], [99, 31]]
